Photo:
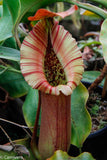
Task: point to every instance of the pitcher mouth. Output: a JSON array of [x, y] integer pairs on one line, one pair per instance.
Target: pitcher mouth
[[50, 58]]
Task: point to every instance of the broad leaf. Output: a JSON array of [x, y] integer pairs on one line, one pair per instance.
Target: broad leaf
[[81, 125], [30, 107], [5, 23], [60, 155], [81, 121], [9, 18], [14, 8], [90, 76], [10, 42], [13, 82], [9, 53], [103, 39]]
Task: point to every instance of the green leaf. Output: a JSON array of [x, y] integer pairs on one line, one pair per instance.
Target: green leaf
[[5, 23], [14, 8], [13, 82], [9, 53], [103, 39], [14, 155], [103, 2], [13, 15], [81, 126], [9, 18], [90, 76], [60, 155], [101, 12], [8, 155], [10, 42], [30, 107], [1, 10], [81, 120]]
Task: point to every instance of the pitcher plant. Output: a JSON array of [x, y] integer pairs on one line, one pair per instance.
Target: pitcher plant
[[52, 63]]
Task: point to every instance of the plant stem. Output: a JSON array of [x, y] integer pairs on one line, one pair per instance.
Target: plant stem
[[16, 124], [17, 37], [10, 69], [90, 43], [104, 87], [80, 150], [98, 79], [13, 145]]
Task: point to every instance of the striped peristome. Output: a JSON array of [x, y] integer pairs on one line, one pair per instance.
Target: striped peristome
[[33, 52]]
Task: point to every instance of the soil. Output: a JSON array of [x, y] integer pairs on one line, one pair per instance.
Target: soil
[[97, 108]]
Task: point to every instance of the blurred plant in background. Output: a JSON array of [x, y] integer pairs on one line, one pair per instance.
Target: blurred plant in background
[[14, 27]]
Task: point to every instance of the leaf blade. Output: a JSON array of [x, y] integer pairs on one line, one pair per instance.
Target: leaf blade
[[13, 83], [103, 39], [60, 155], [30, 107], [9, 53], [5, 23], [80, 118]]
